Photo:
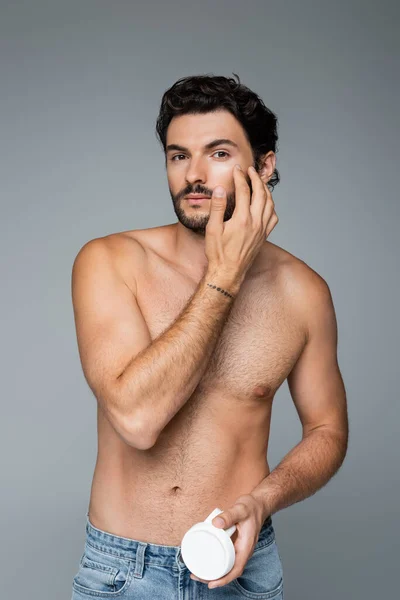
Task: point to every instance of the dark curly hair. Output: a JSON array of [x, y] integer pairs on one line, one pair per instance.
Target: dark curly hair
[[200, 94]]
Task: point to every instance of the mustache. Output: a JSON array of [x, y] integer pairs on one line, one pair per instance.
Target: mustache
[[208, 193], [204, 192]]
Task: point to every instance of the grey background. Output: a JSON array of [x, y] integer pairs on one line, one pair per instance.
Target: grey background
[[81, 84]]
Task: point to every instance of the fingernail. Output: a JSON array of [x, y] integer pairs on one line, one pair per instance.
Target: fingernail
[[219, 191], [219, 521], [238, 167]]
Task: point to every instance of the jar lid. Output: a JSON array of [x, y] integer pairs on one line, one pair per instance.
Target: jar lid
[[208, 551]]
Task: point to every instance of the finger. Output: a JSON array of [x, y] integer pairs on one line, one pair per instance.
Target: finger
[[198, 579], [259, 196], [217, 209], [233, 515], [236, 571], [242, 195], [274, 220], [243, 550]]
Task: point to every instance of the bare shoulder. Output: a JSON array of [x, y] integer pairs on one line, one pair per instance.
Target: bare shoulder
[[292, 269], [306, 293], [152, 238], [124, 250], [302, 287]]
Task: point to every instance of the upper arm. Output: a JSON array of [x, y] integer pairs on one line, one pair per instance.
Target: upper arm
[[109, 325], [315, 382]]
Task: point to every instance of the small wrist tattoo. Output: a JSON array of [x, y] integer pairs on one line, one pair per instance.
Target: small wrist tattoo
[[220, 290]]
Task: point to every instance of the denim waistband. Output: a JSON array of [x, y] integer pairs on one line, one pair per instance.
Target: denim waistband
[[149, 552]]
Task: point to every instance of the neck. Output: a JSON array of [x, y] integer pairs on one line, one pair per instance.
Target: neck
[[189, 249]]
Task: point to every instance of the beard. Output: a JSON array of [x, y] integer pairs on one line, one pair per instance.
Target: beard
[[196, 218]]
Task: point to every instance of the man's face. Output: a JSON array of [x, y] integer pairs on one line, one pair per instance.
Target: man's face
[[195, 169]]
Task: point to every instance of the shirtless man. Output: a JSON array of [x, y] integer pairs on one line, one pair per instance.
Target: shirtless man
[[185, 333]]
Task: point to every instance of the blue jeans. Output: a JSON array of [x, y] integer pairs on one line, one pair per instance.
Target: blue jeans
[[117, 567]]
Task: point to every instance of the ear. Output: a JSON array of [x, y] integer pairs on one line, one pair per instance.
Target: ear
[[268, 163]]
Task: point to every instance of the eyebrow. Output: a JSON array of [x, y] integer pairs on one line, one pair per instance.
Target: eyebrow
[[209, 146]]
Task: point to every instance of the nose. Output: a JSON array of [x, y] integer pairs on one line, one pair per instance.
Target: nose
[[195, 173]]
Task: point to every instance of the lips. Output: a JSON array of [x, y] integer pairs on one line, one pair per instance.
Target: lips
[[197, 197]]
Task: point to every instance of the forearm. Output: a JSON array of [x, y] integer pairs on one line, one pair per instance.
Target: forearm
[[162, 377], [303, 471]]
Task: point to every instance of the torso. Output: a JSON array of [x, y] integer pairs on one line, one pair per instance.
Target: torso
[[215, 448]]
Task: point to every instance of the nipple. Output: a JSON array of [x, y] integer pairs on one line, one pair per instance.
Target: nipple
[[262, 390]]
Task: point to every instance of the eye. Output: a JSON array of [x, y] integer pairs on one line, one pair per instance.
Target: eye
[[217, 152], [221, 151]]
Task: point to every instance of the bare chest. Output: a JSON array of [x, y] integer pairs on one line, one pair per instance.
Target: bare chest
[[259, 344]]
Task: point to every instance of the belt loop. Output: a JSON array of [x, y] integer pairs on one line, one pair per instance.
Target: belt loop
[[139, 562]]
